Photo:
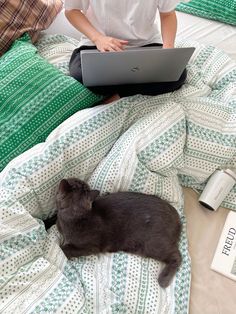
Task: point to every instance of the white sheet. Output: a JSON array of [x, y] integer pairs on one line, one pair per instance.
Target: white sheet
[[207, 32]]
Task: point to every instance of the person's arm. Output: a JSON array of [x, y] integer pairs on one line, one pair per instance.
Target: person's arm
[[102, 42], [168, 28]]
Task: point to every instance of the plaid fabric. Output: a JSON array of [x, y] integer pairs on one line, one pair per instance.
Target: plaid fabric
[[19, 17]]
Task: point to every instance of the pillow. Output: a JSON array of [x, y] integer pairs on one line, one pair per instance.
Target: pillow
[[35, 98], [19, 17], [219, 10], [57, 50]]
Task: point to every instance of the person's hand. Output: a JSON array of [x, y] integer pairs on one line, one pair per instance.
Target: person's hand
[[106, 43]]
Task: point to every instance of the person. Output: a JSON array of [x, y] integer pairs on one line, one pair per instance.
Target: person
[[112, 25]]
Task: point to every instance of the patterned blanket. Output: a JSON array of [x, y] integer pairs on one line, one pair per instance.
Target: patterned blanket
[[153, 145]]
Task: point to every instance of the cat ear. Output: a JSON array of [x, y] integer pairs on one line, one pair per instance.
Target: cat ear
[[94, 194], [64, 186]]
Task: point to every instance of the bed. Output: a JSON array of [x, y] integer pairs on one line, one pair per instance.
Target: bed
[[136, 145], [210, 291]]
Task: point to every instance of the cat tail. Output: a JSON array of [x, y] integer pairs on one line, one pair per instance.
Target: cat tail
[[169, 270]]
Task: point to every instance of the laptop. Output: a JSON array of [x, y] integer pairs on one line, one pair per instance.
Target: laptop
[[133, 65]]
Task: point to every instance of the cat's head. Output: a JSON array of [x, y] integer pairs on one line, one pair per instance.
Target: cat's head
[[75, 195]]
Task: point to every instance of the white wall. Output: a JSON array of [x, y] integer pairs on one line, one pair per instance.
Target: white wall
[[62, 26]]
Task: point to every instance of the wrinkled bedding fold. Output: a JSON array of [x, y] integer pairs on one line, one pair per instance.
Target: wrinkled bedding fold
[[153, 145]]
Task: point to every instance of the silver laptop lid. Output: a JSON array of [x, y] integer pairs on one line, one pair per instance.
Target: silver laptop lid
[[133, 66]]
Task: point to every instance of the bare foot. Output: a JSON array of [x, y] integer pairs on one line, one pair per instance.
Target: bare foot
[[111, 99]]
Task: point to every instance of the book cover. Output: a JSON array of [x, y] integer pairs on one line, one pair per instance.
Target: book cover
[[224, 260]]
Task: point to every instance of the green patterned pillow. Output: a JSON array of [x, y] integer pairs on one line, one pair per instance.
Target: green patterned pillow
[[35, 98], [219, 10]]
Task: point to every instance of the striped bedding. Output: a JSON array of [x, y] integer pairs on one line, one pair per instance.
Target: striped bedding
[[219, 10], [154, 145]]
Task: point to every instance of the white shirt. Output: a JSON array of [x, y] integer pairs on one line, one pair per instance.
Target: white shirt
[[132, 20]]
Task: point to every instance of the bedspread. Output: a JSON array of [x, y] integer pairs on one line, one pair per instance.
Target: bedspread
[[153, 145]]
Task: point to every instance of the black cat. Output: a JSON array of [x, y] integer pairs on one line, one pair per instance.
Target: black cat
[[124, 221]]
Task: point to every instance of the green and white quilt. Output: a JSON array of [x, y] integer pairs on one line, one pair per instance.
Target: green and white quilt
[[153, 145]]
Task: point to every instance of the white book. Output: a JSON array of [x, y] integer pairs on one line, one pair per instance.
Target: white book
[[224, 260]]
